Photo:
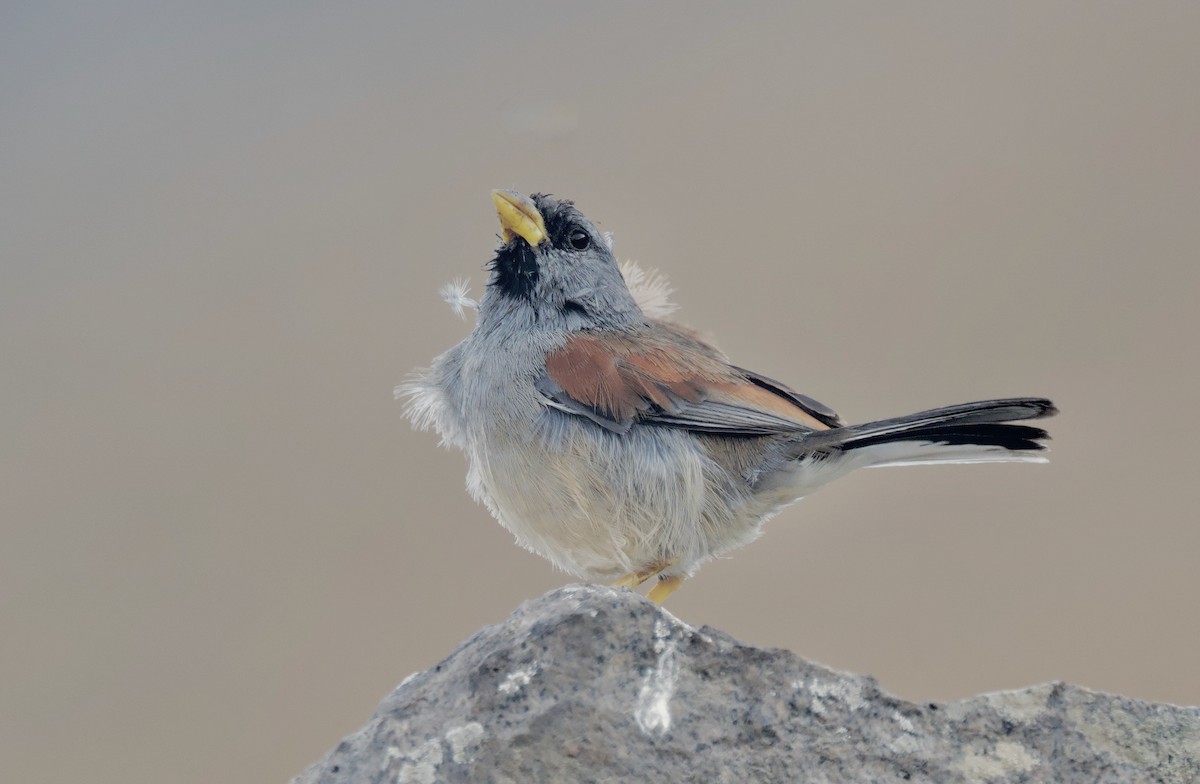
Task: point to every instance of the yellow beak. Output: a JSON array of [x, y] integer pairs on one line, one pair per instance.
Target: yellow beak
[[519, 217]]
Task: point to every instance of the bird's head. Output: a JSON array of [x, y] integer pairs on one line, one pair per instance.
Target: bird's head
[[554, 266]]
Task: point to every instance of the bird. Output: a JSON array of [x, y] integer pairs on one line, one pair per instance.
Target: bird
[[622, 446]]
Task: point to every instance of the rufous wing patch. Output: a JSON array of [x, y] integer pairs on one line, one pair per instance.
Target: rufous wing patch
[[617, 376], [661, 375]]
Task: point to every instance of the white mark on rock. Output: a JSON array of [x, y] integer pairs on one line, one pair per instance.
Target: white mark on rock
[[906, 742], [847, 691], [903, 721], [463, 740], [681, 624], [1005, 759], [406, 681], [518, 679], [420, 767], [1016, 757], [653, 710], [1020, 707], [1023, 706], [817, 706]]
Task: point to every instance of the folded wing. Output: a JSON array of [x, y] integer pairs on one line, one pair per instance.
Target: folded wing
[[664, 375]]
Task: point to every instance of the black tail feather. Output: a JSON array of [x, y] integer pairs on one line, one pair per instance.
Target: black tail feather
[[984, 423], [1014, 437]]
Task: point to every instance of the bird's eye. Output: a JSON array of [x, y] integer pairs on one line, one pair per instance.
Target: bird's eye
[[579, 239]]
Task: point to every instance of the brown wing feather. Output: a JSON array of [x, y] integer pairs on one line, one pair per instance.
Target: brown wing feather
[[817, 409], [667, 376], [749, 395], [620, 375]]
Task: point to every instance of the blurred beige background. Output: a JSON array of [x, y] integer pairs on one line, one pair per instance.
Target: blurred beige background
[[223, 233]]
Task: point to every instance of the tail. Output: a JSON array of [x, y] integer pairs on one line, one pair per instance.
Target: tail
[[968, 433]]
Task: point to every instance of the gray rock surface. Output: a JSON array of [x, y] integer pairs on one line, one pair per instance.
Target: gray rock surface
[[595, 684]]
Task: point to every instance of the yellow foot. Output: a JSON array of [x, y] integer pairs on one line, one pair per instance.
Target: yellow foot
[[666, 586], [634, 579]]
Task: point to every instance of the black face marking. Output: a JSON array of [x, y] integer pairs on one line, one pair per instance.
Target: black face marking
[[517, 265], [516, 269], [563, 222], [571, 306]]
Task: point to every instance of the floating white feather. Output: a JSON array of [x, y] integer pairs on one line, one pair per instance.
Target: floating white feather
[[456, 294]]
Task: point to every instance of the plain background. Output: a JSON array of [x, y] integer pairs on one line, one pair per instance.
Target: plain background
[[223, 232]]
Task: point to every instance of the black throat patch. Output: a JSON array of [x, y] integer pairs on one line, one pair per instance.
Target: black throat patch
[[516, 269]]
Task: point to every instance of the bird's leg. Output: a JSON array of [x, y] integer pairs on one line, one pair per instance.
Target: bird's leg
[[630, 581], [634, 579], [665, 587]]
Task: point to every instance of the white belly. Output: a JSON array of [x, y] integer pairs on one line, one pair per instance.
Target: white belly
[[603, 507]]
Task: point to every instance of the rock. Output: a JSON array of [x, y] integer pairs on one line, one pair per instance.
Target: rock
[[596, 684]]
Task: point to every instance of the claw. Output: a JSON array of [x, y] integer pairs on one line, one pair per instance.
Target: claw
[[666, 586], [634, 579]]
